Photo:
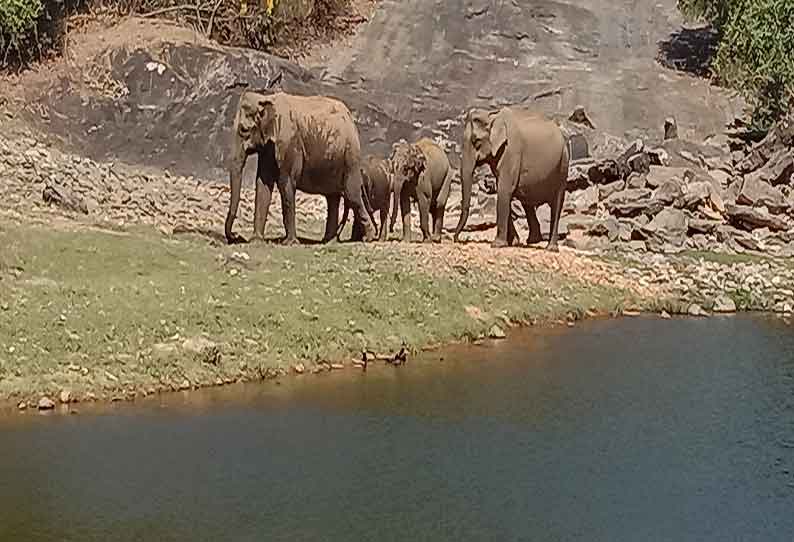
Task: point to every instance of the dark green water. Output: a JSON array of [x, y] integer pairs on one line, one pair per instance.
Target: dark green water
[[631, 430]]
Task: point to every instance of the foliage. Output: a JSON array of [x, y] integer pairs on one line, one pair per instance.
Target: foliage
[[756, 51], [17, 19]]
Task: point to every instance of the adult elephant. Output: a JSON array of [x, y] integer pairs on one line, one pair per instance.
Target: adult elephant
[[421, 172], [307, 143], [528, 157], [377, 187]]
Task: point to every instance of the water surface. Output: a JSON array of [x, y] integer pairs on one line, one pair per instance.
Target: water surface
[[625, 430]]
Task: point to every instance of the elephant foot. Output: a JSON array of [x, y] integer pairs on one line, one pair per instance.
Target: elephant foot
[[552, 247], [235, 239], [532, 239], [499, 243], [289, 241], [436, 239], [257, 240]]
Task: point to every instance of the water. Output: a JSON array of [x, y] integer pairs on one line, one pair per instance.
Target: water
[[621, 431]]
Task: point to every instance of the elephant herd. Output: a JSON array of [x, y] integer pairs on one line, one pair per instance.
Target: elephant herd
[[311, 143]]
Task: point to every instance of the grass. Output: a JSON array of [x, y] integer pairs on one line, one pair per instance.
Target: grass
[[107, 313]]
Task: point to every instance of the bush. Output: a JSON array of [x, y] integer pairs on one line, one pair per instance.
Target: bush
[[755, 53], [32, 29]]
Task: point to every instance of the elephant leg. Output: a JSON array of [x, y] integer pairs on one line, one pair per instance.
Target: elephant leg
[[332, 218], [556, 211], [424, 216], [503, 220], [286, 188], [532, 223], [512, 234], [405, 209], [354, 195], [438, 222], [264, 192], [384, 217]]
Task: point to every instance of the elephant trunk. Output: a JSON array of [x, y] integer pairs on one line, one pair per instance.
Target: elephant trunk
[[466, 180], [235, 180]]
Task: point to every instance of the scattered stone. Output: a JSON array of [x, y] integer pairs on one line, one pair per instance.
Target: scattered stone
[[724, 304], [299, 368], [669, 226], [65, 397], [670, 128], [696, 310], [627, 312], [665, 315], [54, 194], [496, 332], [337, 366], [606, 190], [22, 405], [758, 193], [579, 116], [45, 403], [203, 350]]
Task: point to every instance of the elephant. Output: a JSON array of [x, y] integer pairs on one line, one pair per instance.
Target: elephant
[[307, 143], [377, 187], [528, 156], [421, 172]]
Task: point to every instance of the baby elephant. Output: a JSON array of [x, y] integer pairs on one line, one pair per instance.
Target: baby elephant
[[377, 188], [421, 172]]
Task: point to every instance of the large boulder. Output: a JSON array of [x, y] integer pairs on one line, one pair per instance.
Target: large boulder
[[629, 202], [658, 175], [669, 191], [583, 201], [670, 226], [756, 192], [606, 190], [751, 218], [701, 196]]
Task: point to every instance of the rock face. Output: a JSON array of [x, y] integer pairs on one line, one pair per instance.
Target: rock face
[[724, 304], [670, 226]]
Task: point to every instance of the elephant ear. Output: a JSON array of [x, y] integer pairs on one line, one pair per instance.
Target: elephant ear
[[498, 134], [419, 159]]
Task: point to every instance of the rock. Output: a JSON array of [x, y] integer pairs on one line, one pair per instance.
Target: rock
[[65, 397], [610, 228], [577, 147], [578, 222], [606, 170], [669, 191], [299, 368], [700, 194], [724, 304], [696, 310], [659, 157], [496, 332], [629, 195], [578, 176], [640, 162], [584, 201], [659, 174], [45, 403], [665, 315], [54, 194], [778, 169], [185, 385], [636, 180], [636, 245], [699, 225], [22, 405], [337, 366], [669, 226], [670, 128], [587, 243], [751, 218], [579, 116], [722, 178], [606, 190], [756, 193]]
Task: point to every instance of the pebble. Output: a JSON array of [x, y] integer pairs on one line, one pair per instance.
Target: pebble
[[665, 315], [65, 396], [299, 368], [22, 405], [45, 403]]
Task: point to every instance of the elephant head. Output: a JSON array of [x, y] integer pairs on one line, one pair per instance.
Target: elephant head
[[258, 127], [408, 162], [484, 137]]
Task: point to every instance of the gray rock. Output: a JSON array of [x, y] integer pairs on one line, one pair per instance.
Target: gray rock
[[659, 157], [639, 163], [636, 245], [700, 194], [578, 147], [579, 116], [606, 190], [578, 222], [670, 226], [584, 201], [63, 197], [696, 310], [724, 304], [629, 195], [669, 191], [606, 170], [751, 218], [659, 174], [609, 228], [670, 128], [45, 403], [699, 225], [636, 180], [756, 193]]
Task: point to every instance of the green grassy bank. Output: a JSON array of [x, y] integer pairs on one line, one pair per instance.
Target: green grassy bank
[[106, 315]]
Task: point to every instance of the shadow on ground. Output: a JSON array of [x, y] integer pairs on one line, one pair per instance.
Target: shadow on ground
[[690, 50]]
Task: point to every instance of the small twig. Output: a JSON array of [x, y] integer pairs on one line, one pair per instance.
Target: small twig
[[550, 92]]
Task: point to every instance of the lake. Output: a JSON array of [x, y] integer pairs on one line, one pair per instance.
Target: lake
[[624, 430]]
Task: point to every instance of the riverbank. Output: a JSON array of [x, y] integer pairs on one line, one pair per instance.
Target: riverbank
[[93, 314]]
